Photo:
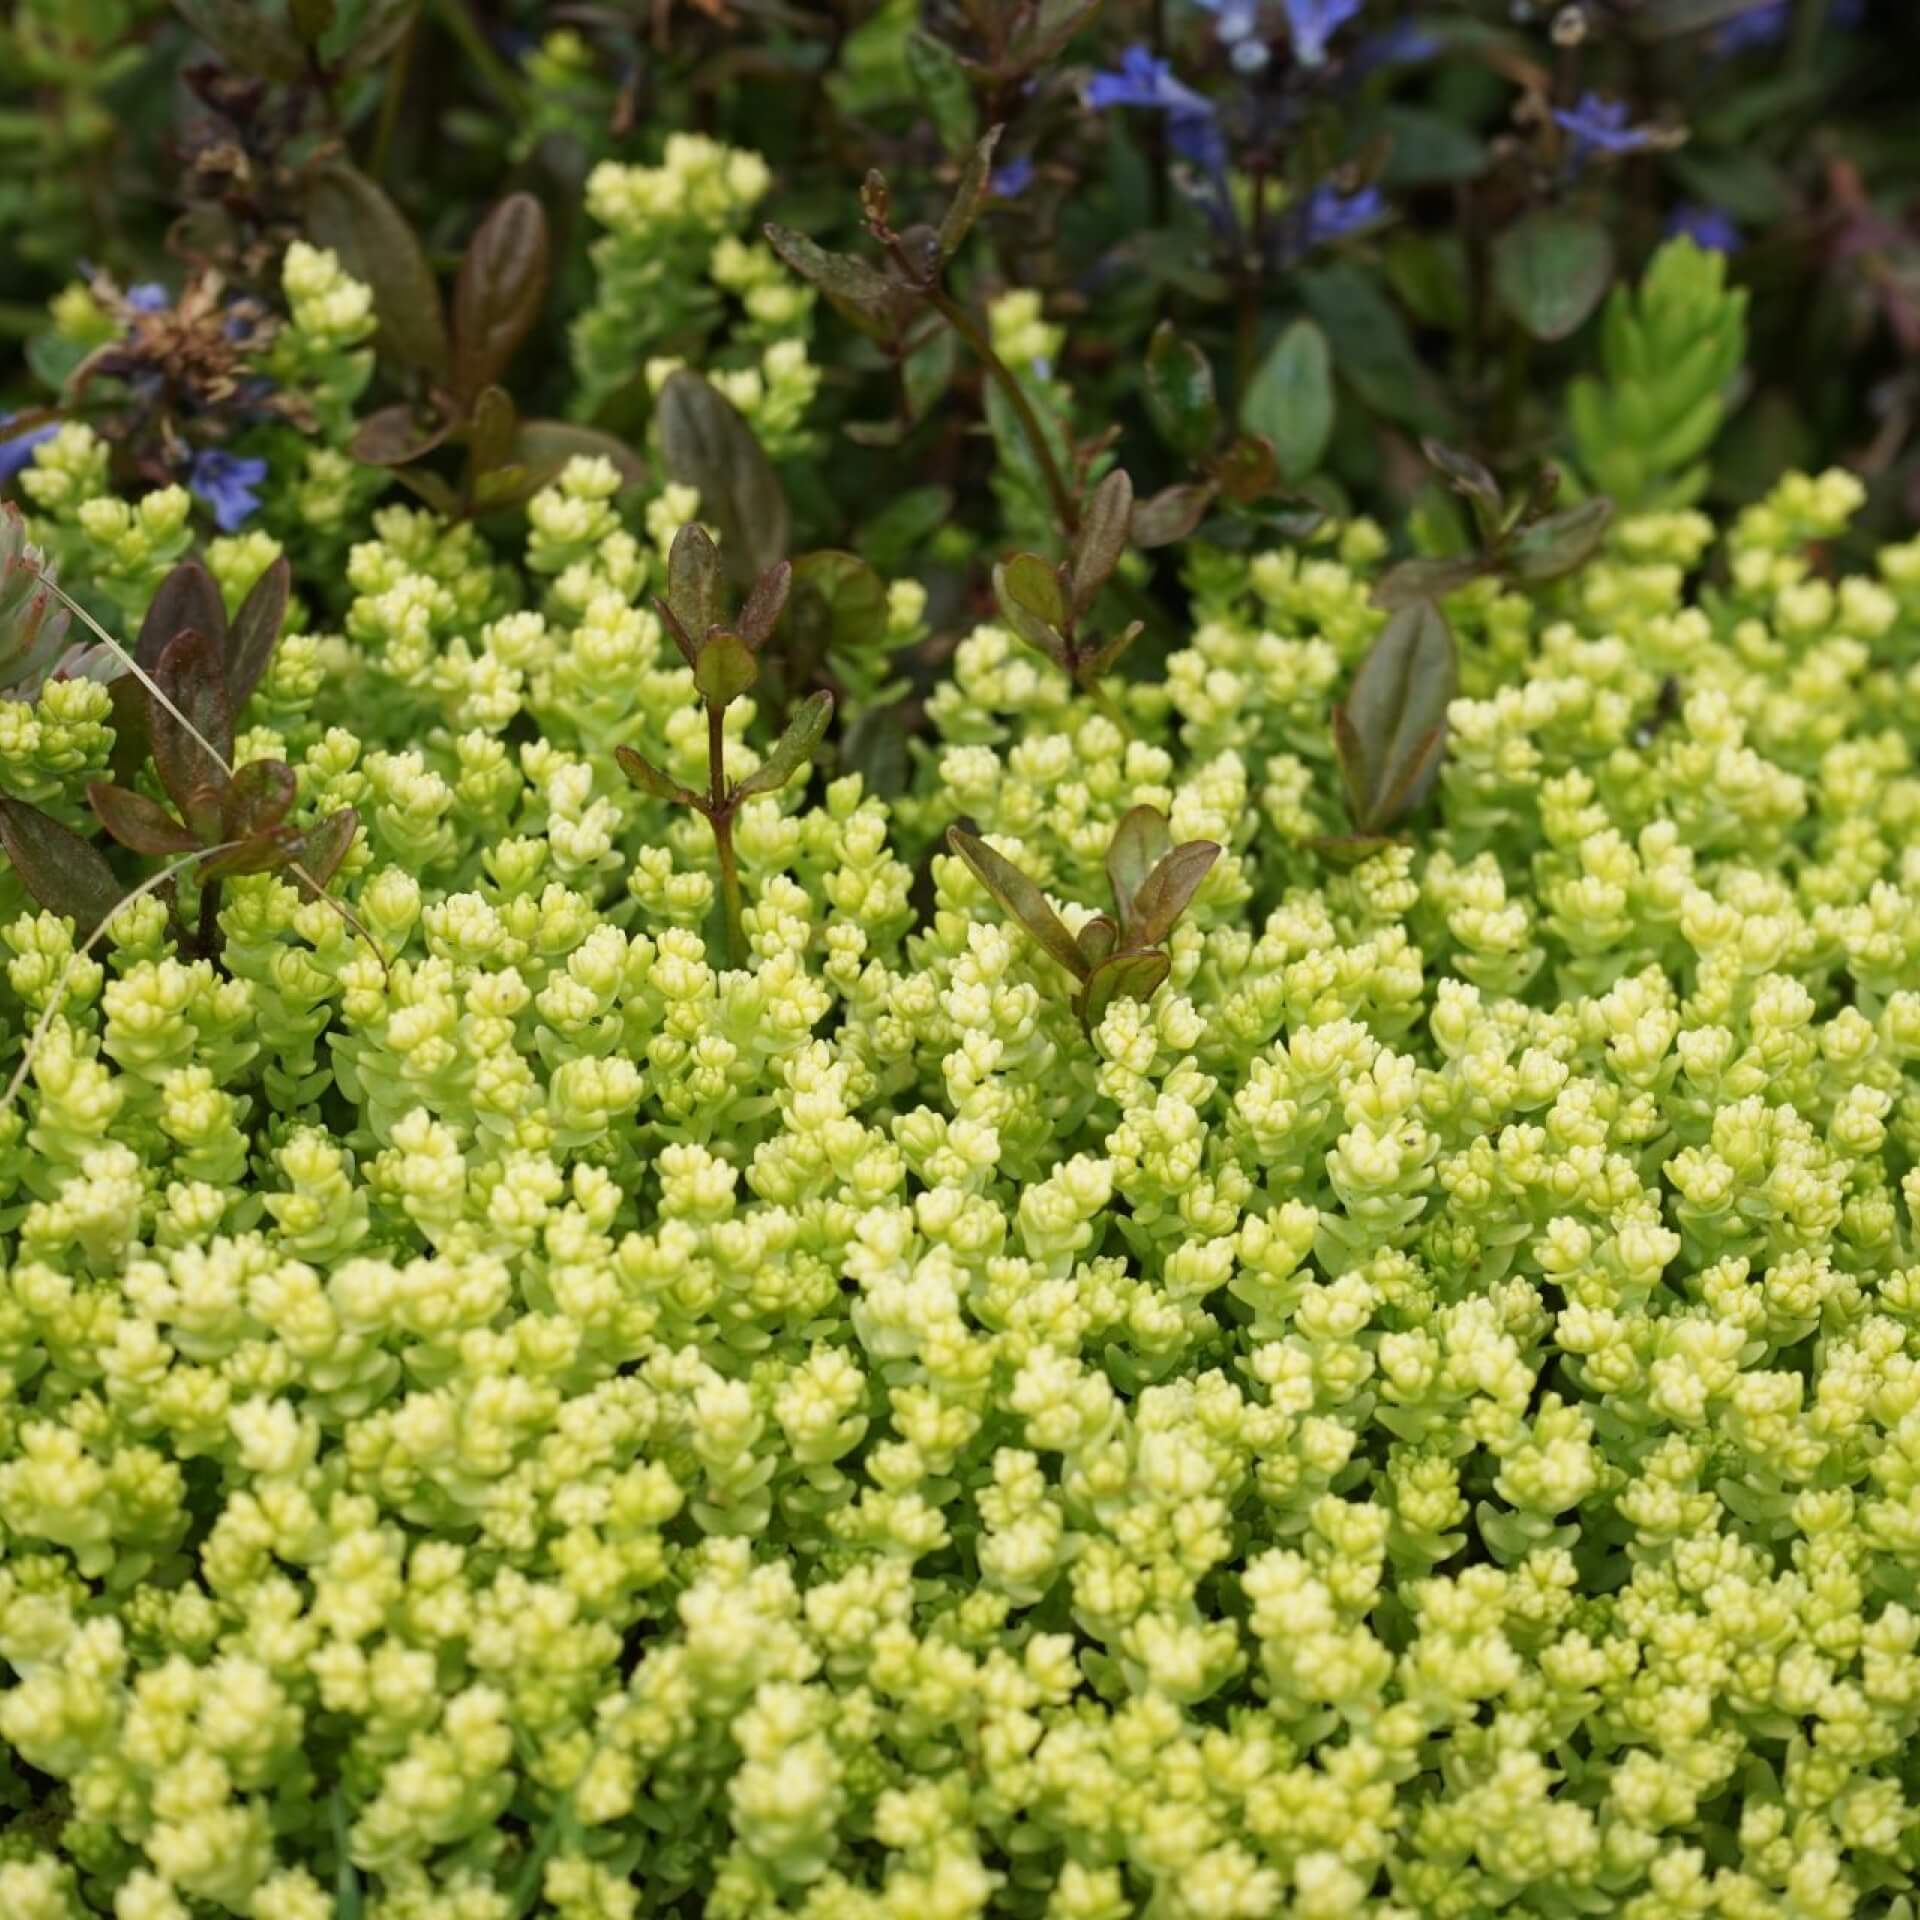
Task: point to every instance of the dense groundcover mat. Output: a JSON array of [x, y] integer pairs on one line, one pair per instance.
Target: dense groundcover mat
[[813, 1107]]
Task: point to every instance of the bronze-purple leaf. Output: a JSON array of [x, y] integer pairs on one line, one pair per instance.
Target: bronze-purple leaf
[[1021, 897], [1397, 703], [315, 856], [765, 604], [501, 288], [1140, 842], [187, 597], [190, 675], [349, 213], [60, 871], [1171, 514], [1105, 528], [1170, 888], [399, 434], [693, 581], [260, 796], [1128, 976], [137, 822], [256, 631], [708, 446], [971, 194]]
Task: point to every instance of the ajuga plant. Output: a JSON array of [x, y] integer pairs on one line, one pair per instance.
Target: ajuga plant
[[722, 655], [1526, 542], [1117, 956]]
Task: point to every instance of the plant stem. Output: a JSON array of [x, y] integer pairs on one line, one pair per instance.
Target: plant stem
[[730, 889], [499, 78], [208, 936], [393, 92], [962, 322]]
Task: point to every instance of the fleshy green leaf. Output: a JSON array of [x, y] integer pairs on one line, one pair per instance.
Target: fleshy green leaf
[[1020, 897], [256, 631], [189, 672], [1169, 889], [1140, 842], [60, 871], [1398, 700], [709, 447], [136, 822], [794, 749], [724, 669], [1105, 528], [1290, 399], [498, 295], [1179, 392], [349, 213], [1551, 270]]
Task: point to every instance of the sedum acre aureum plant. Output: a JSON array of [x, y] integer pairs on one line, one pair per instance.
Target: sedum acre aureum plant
[[1371, 1369]]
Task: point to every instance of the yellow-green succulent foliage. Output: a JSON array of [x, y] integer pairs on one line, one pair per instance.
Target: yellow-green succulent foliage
[[504, 1413]]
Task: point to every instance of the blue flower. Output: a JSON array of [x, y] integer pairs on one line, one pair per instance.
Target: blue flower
[[1312, 23], [1012, 180], [149, 297], [1707, 227], [16, 450], [1599, 125], [1238, 25], [1143, 81], [226, 483], [1406, 45], [1766, 24], [1332, 214]]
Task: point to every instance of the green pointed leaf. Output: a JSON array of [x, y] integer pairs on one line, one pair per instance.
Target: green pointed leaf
[[765, 604], [694, 589], [1020, 897], [138, 823], [60, 871], [1169, 890], [1105, 528], [649, 779], [1415, 582], [970, 196], [190, 673], [843, 275], [1124, 976], [256, 631], [1102, 660], [1028, 592], [349, 213], [318, 850], [497, 297], [259, 797], [186, 598], [1179, 393], [839, 606], [1171, 514], [1560, 543], [1398, 699], [1551, 270], [1140, 842], [708, 446], [724, 669], [1290, 399], [940, 79], [794, 749], [1098, 938]]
